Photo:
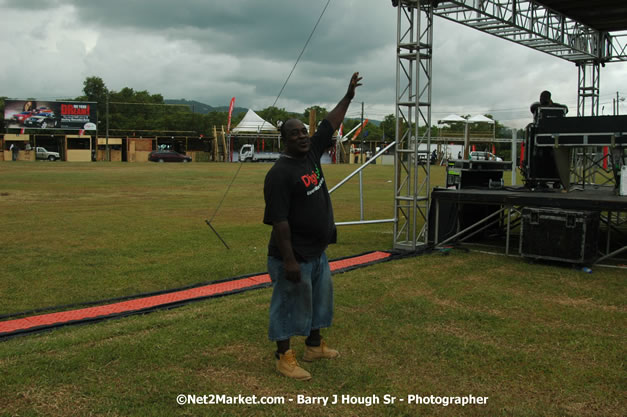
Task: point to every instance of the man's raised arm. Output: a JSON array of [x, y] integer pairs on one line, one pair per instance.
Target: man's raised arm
[[336, 116]]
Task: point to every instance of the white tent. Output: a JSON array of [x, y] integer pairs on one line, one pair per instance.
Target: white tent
[[252, 123], [452, 118], [480, 119]]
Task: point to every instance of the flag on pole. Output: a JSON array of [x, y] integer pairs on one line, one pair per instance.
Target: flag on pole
[[359, 130], [228, 125]]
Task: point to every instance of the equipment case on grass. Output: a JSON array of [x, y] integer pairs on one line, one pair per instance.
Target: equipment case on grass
[[560, 235]]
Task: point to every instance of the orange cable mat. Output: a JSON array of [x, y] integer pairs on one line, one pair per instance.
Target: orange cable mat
[[168, 299]]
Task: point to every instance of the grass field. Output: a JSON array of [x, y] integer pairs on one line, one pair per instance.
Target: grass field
[[537, 340]]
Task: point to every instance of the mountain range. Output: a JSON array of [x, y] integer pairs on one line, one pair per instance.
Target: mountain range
[[202, 108], [198, 107]]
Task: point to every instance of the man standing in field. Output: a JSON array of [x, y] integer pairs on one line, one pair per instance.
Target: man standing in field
[[298, 207]]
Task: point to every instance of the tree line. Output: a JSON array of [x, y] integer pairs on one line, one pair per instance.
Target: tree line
[[140, 113]]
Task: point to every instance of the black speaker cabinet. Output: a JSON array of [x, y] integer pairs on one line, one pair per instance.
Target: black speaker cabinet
[[561, 235]]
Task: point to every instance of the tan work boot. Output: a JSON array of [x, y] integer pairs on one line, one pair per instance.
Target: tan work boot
[[288, 366], [319, 352]]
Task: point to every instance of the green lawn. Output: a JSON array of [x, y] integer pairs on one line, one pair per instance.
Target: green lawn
[[79, 232], [536, 339]]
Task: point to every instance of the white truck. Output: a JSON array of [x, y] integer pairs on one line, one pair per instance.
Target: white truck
[[43, 153], [247, 154]]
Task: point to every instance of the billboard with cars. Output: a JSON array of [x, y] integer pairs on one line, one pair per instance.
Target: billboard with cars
[[63, 115]]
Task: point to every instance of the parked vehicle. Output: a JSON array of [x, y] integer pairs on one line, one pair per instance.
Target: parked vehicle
[[43, 153], [483, 156], [168, 156], [247, 154]]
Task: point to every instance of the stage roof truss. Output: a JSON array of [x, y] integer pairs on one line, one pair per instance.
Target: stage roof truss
[[536, 26], [618, 46]]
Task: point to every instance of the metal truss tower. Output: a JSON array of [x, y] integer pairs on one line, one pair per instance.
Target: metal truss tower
[[414, 50], [589, 87]]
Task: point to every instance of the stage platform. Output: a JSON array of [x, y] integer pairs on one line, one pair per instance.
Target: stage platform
[[595, 199], [472, 214]]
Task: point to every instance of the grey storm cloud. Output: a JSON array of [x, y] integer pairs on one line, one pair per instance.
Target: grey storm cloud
[[210, 51], [251, 30], [274, 29]]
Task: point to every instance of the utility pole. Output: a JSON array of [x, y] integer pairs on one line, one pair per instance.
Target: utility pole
[[614, 106], [514, 143], [107, 133], [312, 122]]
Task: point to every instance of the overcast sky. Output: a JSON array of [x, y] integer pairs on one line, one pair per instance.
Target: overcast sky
[[212, 50]]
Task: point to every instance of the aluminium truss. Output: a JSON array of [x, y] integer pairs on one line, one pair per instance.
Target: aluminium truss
[[413, 123], [530, 23]]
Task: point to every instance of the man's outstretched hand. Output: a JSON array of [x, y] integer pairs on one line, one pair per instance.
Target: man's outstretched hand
[[336, 116], [354, 83]]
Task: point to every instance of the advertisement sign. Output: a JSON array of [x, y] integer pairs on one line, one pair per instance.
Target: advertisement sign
[[62, 115]]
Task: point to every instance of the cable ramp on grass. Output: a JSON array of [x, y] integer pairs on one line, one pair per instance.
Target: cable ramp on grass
[[32, 322]]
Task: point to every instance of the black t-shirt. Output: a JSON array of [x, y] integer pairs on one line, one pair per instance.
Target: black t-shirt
[[295, 190]]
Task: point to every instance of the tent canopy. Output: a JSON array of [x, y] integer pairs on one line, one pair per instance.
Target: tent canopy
[[474, 119], [252, 123], [480, 119], [452, 118]]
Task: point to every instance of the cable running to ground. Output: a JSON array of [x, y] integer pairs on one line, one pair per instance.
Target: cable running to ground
[[273, 105]]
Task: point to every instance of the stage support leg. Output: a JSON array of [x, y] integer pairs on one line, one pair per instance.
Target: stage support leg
[[589, 86], [413, 110]]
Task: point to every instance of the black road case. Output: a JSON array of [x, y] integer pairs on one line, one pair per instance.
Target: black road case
[[561, 235]]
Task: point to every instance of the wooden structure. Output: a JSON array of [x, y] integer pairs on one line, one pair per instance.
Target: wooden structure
[[21, 141], [138, 149], [77, 148], [115, 149]]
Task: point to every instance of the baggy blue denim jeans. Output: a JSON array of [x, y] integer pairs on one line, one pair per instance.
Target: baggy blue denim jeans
[[297, 308]]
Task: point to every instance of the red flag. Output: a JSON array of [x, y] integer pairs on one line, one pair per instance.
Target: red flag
[[359, 130], [80, 132], [228, 125], [22, 131], [605, 154], [522, 153]]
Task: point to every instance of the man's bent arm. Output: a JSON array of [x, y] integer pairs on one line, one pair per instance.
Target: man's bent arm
[[283, 236], [336, 116]]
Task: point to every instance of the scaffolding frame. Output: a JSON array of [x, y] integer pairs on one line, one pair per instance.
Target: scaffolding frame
[[413, 114], [529, 23]]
